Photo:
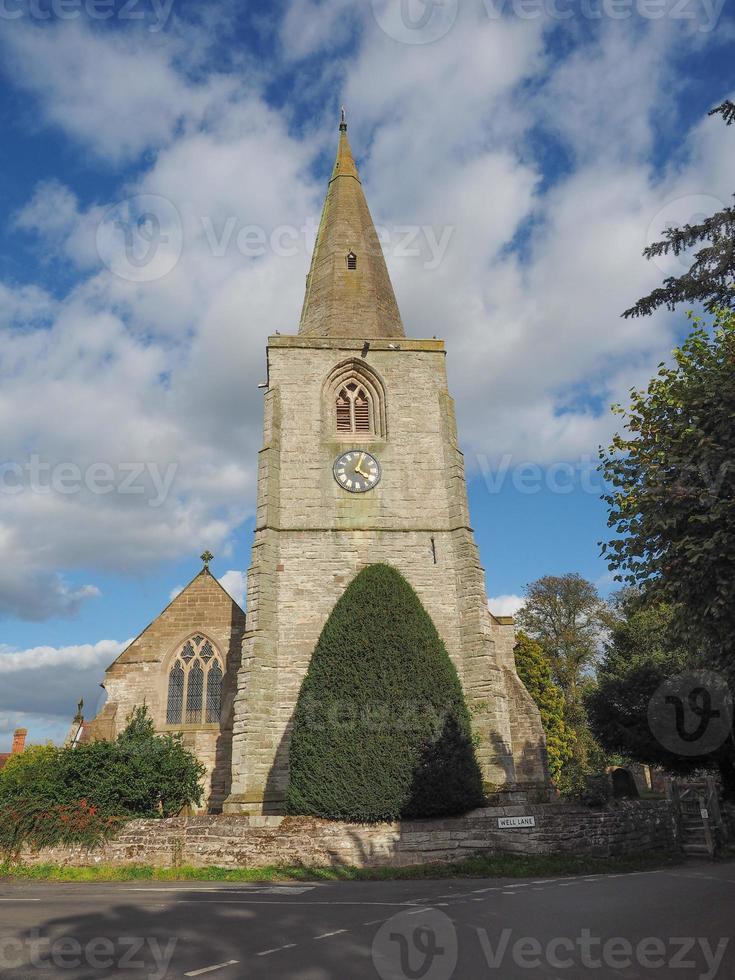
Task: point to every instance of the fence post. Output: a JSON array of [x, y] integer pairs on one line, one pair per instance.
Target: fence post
[[672, 795], [714, 808]]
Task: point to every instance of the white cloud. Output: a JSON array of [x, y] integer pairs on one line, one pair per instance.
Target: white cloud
[[164, 373], [234, 583], [42, 729], [24, 306], [119, 93], [505, 605], [41, 686], [53, 215], [81, 656]]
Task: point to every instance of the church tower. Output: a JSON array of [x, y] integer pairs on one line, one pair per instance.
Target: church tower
[[360, 464]]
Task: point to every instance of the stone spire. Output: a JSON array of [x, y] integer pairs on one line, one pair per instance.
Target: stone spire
[[348, 290]]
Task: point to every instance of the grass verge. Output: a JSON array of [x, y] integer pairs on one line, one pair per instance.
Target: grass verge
[[497, 866]]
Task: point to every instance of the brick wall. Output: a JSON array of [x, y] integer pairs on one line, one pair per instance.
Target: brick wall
[[258, 841]]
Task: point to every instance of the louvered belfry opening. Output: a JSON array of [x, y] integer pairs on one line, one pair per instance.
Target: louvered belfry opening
[[354, 401], [195, 684], [354, 409], [351, 260], [344, 412]]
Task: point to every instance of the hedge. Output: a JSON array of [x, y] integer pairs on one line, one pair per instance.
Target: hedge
[[381, 730]]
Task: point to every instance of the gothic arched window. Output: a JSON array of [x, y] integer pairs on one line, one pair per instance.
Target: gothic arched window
[[175, 694], [195, 683], [356, 400], [351, 260], [214, 694], [354, 409]]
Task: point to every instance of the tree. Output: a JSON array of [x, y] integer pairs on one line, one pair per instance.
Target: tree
[[566, 615], [671, 474], [51, 795], [711, 277], [140, 774], [534, 669], [381, 730], [644, 658]]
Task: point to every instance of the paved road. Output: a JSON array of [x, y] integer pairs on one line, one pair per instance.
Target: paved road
[[674, 924]]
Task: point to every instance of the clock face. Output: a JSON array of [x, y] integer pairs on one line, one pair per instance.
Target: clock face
[[356, 471]]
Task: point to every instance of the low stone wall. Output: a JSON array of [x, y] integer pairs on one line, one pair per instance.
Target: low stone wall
[[241, 841]]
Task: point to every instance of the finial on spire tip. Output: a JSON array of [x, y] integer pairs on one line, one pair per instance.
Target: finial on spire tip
[[343, 121]]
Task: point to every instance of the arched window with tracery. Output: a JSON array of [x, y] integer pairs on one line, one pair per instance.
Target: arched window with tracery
[[356, 400], [195, 683], [354, 411]]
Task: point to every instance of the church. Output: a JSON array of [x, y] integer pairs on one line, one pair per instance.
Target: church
[[360, 464]]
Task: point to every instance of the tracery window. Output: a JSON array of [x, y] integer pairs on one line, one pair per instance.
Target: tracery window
[[354, 409], [195, 683], [356, 400]]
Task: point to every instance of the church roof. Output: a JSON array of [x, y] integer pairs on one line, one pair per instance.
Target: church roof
[[178, 613], [348, 289]]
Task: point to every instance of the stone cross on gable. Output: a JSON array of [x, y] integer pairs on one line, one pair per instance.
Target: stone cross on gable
[[206, 557]]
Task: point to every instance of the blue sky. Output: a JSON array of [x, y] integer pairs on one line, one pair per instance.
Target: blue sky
[[517, 157]]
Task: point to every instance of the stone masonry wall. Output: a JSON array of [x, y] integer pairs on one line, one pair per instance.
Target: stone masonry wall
[[242, 841], [312, 538], [140, 675]]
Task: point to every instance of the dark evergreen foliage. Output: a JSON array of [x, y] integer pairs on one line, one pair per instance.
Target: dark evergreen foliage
[[644, 651], [381, 729], [81, 795], [726, 110], [711, 278]]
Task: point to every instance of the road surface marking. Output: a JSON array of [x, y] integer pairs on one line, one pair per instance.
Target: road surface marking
[[328, 935], [20, 899], [702, 877], [259, 890], [210, 969], [267, 952], [247, 901]]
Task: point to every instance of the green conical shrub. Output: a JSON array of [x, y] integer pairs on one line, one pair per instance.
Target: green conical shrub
[[381, 729]]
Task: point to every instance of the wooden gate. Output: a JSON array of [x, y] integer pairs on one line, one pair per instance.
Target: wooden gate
[[697, 811]]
